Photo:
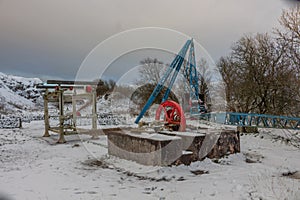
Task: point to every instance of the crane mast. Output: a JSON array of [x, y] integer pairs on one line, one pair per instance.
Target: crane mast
[[172, 72]]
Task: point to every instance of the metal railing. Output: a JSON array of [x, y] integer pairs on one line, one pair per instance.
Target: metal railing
[[252, 119]]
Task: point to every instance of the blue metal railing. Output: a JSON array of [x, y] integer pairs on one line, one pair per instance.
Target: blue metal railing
[[252, 119]]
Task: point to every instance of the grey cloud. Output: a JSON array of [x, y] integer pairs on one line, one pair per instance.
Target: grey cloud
[[51, 38]]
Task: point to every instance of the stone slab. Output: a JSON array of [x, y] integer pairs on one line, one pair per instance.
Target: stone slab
[[144, 148], [208, 143]]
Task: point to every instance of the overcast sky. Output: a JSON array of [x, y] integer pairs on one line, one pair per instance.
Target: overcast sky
[[51, 38]]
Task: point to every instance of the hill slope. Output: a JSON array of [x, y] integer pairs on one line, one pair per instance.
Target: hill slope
[[18, 94]]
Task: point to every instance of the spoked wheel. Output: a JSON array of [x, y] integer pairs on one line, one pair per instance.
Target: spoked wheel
[[173, 115]]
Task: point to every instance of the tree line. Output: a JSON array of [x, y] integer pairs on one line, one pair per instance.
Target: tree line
[[261, 73]]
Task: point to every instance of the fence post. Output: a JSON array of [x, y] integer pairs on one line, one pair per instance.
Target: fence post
[[46, 114]]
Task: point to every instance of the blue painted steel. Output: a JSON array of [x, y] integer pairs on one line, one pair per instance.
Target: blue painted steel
[[193, 80], [173, 78], [252, 119], [175, 65]]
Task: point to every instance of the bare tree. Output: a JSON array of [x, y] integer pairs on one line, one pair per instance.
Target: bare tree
[[228, 71], [204, 77], [151, 70], [258, 76], [289, 34], [150, 73], [105, 86]]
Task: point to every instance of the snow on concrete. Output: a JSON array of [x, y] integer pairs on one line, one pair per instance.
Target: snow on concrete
[[32, 168]]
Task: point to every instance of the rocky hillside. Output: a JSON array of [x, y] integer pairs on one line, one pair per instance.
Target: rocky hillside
[[18, 94]]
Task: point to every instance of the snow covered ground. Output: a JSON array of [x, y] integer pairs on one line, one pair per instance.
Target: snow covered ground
[[31, 167], [18, 94]]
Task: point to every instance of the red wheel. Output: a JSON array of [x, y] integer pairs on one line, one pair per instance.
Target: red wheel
[[173, 115]]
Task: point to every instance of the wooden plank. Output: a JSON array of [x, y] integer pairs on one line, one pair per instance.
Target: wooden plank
[[41, 86], [63, 82]]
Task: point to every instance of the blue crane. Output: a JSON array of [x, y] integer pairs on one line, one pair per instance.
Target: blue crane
[[238, 119], [174, 69]]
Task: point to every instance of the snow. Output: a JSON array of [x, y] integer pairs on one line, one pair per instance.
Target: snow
[[18, 94], [33, 168], [154, 136], [14, 99], [21, 79], [191, 134]]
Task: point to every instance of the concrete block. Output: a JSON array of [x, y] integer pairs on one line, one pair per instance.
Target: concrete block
[[190, 141], [207, 143], [148, 149]]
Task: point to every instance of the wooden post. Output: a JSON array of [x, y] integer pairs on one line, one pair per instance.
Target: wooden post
[[94, 114], [74, 110], [46, 114], [20, 122], [61, 117]]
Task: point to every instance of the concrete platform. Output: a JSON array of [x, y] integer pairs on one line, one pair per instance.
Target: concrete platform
[[171, 147], [190, 141], [144, 148], [207, 143]]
